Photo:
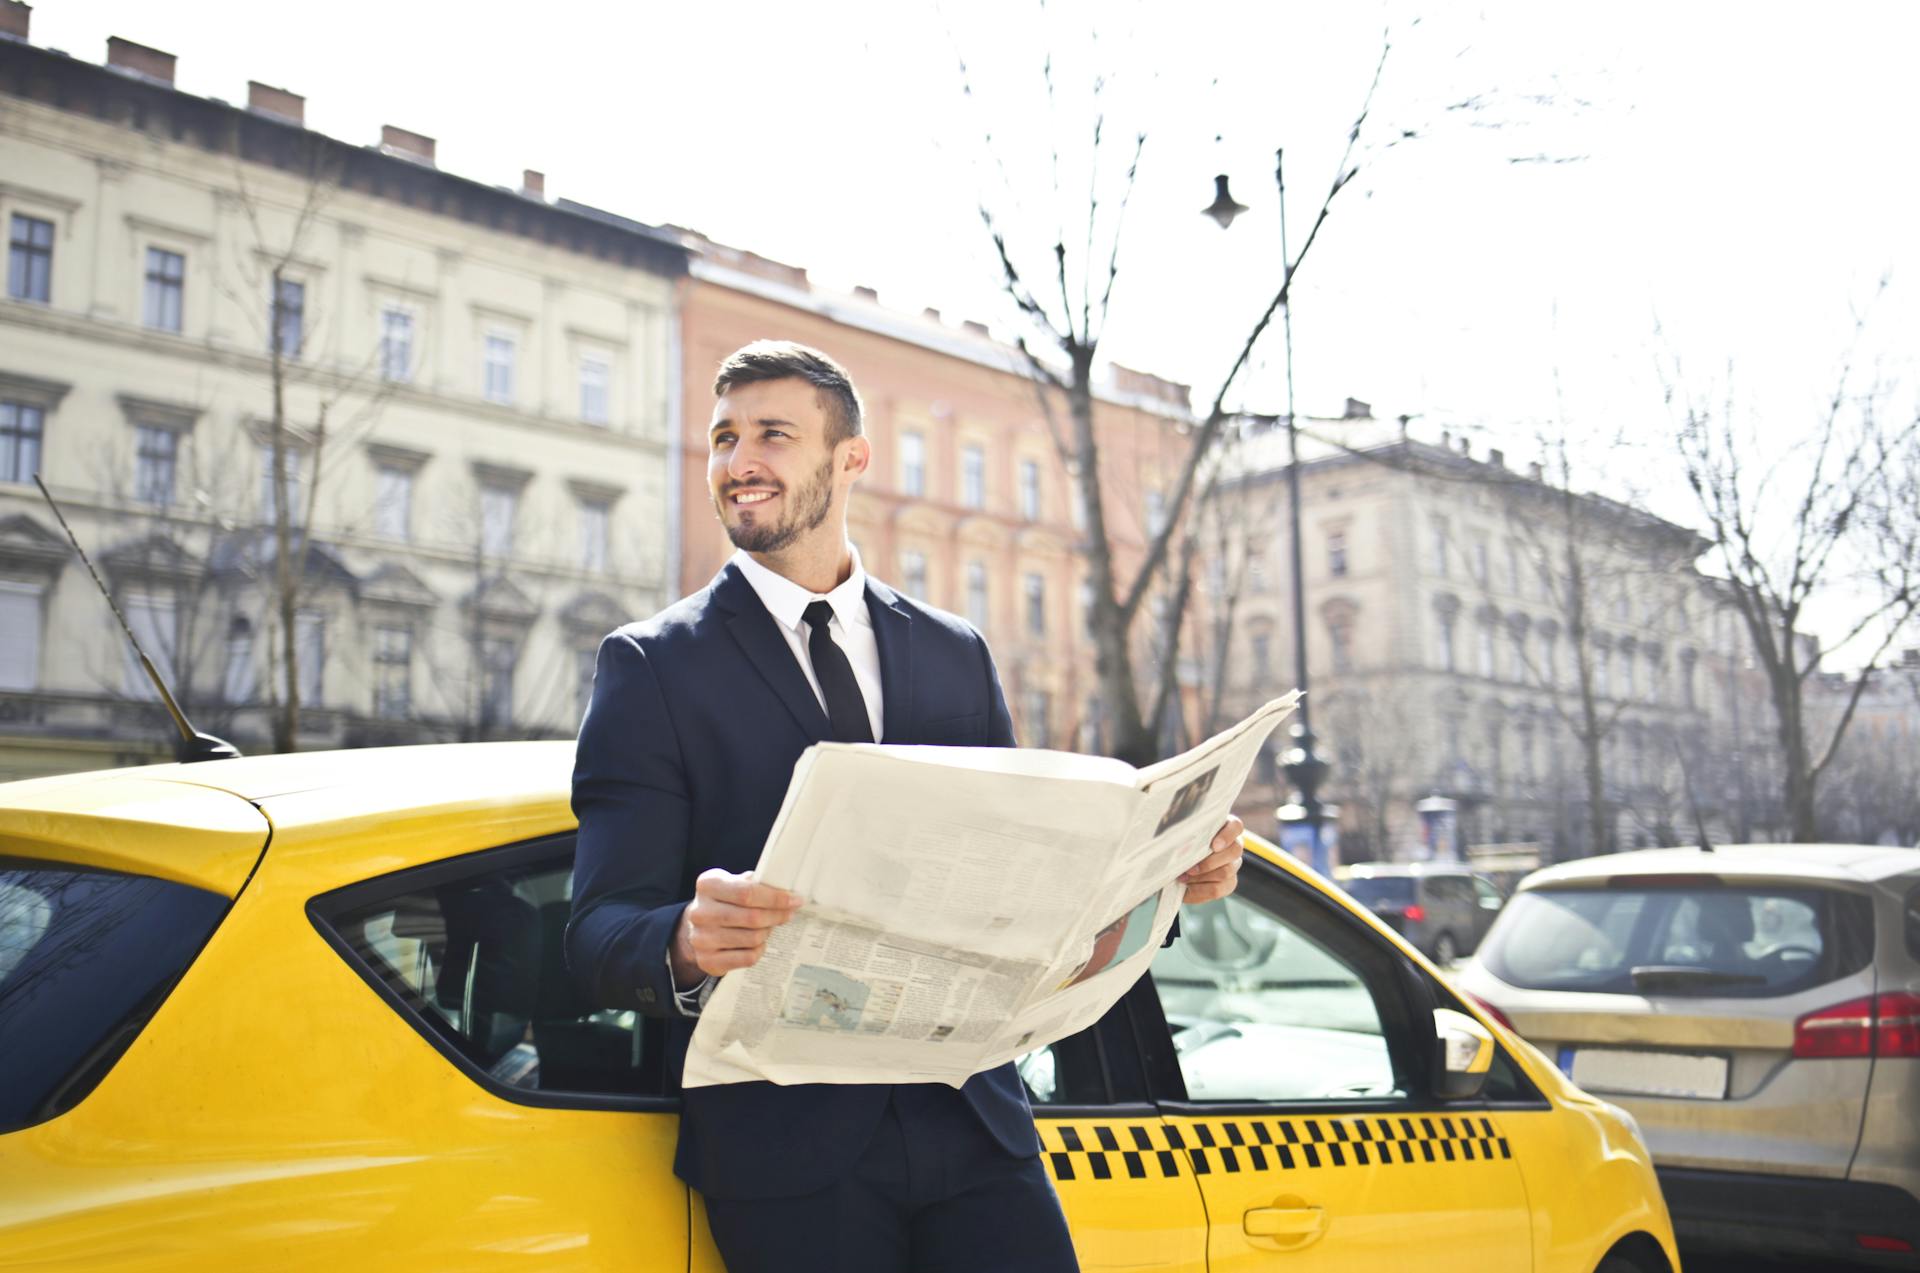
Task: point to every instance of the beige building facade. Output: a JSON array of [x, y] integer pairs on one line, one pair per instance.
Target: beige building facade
[[1441, 618], [479, 398]]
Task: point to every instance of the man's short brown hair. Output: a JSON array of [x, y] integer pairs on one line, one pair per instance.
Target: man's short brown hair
[[786, 359]]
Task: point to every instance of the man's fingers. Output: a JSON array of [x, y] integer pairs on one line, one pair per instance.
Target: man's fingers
[[743, 890], [708, 912], [1229, 834]]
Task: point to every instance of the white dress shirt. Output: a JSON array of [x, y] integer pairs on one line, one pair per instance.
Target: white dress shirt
[[852, 626], [852, 631]]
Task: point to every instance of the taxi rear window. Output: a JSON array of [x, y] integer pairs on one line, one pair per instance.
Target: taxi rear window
[[1697, 941], [86, 957]]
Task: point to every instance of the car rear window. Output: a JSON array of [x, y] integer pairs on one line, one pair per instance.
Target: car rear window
[[1381, 890], [86, 958], [1695, 941]]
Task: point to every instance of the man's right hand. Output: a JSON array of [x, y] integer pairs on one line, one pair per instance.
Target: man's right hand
[[726, 924]]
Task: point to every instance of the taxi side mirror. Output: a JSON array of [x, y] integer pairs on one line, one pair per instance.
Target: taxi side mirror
[[1463, 1055]]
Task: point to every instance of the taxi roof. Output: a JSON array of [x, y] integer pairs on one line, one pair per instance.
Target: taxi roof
[[207, 823], [1811, 862]]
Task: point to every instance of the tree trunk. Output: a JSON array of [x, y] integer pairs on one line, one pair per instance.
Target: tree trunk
[[286, 722]]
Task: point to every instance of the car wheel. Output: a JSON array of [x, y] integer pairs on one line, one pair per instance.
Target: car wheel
[[1445, 949]]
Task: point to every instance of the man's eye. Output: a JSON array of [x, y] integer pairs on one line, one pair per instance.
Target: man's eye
[[776, 433], [722, 439]]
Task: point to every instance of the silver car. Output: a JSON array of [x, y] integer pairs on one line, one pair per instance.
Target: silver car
[[1443, 908], [1757, 1009]]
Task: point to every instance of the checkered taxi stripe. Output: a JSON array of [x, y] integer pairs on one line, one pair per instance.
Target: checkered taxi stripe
[[1089, 1150]]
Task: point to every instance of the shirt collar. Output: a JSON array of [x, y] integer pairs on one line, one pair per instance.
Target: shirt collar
[[787, 601]]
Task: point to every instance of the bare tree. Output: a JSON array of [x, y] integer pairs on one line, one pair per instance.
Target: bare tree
[[1825, 531], [1066, 313]]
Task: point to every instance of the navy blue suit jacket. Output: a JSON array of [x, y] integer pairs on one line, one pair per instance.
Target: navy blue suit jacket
[[697, 717]]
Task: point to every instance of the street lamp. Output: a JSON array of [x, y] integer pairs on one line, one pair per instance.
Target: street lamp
[[1302, 764]]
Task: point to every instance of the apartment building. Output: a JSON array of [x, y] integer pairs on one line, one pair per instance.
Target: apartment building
[[462, 392]]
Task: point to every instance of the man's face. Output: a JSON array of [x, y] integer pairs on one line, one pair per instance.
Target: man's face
[[772, 475]]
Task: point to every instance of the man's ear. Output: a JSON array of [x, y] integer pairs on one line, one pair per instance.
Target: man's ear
[[857, 456]]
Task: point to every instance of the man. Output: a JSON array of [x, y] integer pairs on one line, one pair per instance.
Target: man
[[696, 720]]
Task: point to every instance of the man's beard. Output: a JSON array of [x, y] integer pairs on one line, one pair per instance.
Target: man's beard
[[808, 507]]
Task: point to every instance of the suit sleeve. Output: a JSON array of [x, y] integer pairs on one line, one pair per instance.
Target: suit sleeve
[[630, 795], [999, 719]]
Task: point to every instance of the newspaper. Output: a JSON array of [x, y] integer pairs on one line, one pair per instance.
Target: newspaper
[[964, 905]]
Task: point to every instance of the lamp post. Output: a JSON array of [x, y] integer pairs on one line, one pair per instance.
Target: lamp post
[[1306, 770]]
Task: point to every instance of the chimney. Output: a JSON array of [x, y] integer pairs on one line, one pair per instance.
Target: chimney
[[139, 60], [977, 328], [1358, 410], [534, 185], [1537, 471], [406, 145], [15, 18], [931, 314], [276, 103], [1461, 442], [1497, 458], [866, 294]]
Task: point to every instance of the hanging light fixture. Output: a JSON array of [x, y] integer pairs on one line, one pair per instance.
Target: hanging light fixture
[[1223, 209]]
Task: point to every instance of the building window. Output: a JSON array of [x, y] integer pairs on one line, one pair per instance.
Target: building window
[[973, 476], [1449, 656], [151, 617], [1523, 752], [22, 428], [1262, 649], [1629, 688], [1602, 671], [1030, 490], [30, 259], [595, 520], [1093, 725], [913, 573], [1036, 605], [1087, 613], [596, 397], [166, 285], [977, 598], [1337, 553], [497, 370], [1256, 570], [396, 344], [498, 506], [1488, 655], [1517, 649], [19, 635], [392, 672], [497, 657], [1687, 663], [1480, 561], [269, 503], [1156, 513], [1440, 546], [913, 464], [1341, 637], [287, 316], [237, 682], [1513, 570], [1077, 502], [310, 649], [1496, 762], [393, 503], [156, 453], [1039, 728]]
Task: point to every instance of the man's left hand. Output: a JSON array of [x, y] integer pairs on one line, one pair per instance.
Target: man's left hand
[[1216, 875]]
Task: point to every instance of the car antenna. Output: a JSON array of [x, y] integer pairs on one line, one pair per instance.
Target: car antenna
[[192, 745]]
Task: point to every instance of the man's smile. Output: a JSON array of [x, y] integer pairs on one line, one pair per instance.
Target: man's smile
[[751, 497]]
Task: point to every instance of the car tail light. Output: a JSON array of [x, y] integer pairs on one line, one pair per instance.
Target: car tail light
[[1415, 913], [1897, 1025], [1491, 1011], [1884, 1025], [1882, 1242]]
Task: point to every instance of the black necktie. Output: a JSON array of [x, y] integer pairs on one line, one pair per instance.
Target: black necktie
[[845, 708]]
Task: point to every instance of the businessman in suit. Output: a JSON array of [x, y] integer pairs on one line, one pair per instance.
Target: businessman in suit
[[697, 717]]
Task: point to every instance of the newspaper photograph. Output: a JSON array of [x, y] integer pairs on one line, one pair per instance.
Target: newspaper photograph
[[964, 905]]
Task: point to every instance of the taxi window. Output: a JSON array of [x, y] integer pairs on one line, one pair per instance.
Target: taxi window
[[86, 959], [472, 951], [1263, 1009]]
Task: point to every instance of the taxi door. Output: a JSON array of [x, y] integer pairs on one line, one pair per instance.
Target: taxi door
[[1303, 1113], [1129, 1200]]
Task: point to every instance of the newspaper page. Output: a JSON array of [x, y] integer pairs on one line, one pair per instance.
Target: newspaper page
[[964, 905]]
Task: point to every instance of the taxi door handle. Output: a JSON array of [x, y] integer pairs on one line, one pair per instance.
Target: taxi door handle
[[1286, 1222]]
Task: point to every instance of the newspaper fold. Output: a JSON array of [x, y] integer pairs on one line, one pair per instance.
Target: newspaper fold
[[965, 905]]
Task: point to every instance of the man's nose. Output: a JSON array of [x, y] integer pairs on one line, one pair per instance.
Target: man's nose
[[743, 463]]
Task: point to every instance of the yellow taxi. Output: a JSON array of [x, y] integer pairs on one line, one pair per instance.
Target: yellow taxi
[[309, 1012]]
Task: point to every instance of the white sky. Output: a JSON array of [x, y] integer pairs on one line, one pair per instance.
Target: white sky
[[1745, 172]]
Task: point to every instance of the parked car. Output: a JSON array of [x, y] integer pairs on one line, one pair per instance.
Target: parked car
[[1443, 908], [309, 1012], [1757, 1008]]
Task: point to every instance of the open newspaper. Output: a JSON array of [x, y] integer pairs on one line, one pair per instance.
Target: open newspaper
[[964, 905]]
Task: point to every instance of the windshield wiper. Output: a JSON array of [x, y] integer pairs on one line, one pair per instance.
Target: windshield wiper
[[1689, 977]]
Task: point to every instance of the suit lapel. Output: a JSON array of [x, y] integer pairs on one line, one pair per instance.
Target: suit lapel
[[893, 633], [772, 658]]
